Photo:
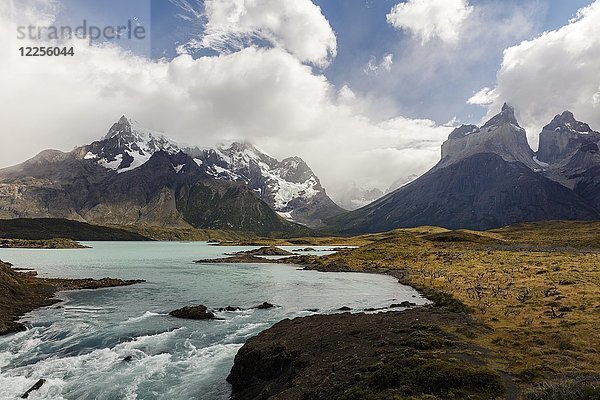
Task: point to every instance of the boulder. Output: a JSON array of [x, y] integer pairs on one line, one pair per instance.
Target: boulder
[[404, 304], [35, 387], [230, 308], [264, 306], [193, 312]]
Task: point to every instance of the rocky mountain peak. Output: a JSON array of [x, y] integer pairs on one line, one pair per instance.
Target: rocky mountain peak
[[120, 128], [289, 186], [501, 135], [566, 122], [506, 116], [563, 137], [127, 145]]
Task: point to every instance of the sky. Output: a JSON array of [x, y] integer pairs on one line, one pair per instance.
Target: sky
[[364, 90]]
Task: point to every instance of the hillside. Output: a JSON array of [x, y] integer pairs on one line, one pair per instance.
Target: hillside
[[51, 228]]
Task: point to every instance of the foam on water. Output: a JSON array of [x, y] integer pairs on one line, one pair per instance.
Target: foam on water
[[142, 317]]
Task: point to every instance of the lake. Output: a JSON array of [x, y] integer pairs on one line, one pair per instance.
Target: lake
[[80, 347]]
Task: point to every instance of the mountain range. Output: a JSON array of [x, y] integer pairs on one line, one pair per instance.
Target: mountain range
[[489, 177], [136, 176]]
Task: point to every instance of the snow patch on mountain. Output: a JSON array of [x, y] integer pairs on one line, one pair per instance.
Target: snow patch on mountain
[[245, 163], [287, 191], [114, 164]]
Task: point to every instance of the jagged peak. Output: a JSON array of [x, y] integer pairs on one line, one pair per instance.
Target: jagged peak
[[567, 115], [505, 116], [131, 130], [243, 145], [567, 122], [122, 126], [508, 108]]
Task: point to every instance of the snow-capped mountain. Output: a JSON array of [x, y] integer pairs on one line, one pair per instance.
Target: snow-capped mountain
[[289, 186], [135, 175], [489, 177], [127, 145]]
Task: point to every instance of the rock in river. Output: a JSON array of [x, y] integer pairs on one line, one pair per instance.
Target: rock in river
[[264, 306], [193, 312]]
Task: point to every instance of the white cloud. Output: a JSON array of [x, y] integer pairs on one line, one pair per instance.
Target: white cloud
[[483, 97], [263, 95], [557, 71], [296, 26], [431, 19], [373, 67]]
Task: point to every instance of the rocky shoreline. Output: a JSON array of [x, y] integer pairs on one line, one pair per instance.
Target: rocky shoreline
[[21, 293], [41, 244]]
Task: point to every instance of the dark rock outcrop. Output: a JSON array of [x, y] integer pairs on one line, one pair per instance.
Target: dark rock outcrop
[[266, 251], [403, 304], [193, 312], [264, 306], [363, 356], [37, 386], [230, 309]]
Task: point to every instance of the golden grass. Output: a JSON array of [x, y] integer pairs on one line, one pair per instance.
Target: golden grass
[[536, 286]]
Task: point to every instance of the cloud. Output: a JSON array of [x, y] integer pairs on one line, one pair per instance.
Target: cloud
[[373, 67], [483, 97], [431, 19], [266, 95], [434, 80], [557, 71], [297, 26]]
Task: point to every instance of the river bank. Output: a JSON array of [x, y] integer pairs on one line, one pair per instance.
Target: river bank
[[22, 292]]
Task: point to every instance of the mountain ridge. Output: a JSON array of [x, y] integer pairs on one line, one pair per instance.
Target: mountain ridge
[[489, 177]]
